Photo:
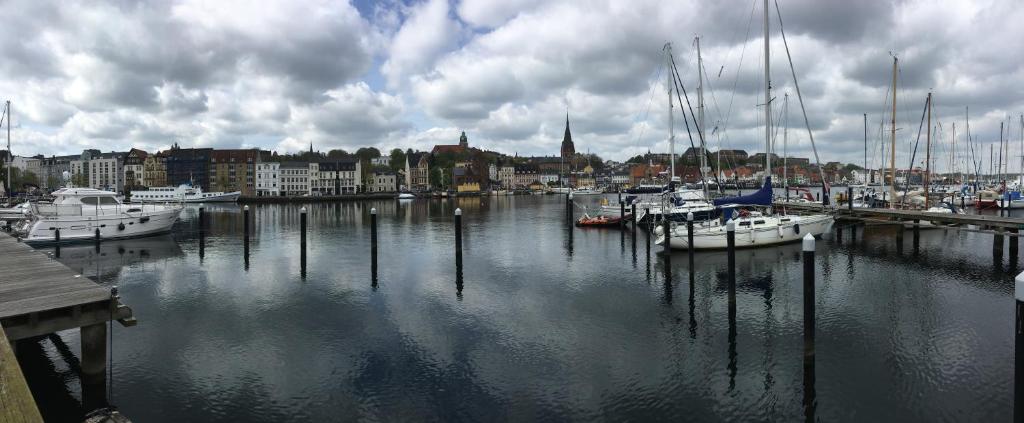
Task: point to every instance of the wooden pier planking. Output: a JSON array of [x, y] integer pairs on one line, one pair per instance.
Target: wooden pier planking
[[909, 215], [16, 403], [39, 295]]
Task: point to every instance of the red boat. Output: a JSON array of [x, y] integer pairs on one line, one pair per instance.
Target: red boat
[[602, 221]]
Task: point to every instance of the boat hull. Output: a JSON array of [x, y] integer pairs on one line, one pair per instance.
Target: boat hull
[[42, 230], [715, 238]]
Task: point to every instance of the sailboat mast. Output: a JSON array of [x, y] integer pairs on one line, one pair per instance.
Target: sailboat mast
[[10, 154], [671, 120], [928, 153], [700, 113], [999, 167], [767, 99], [892, 149], [866, 149], [785, 143]]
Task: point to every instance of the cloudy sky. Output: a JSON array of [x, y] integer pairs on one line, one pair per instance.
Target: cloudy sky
[[279, 75]]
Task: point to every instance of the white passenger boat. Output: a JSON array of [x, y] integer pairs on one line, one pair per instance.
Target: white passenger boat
[[184, 193], [406, 196], [79, 212]]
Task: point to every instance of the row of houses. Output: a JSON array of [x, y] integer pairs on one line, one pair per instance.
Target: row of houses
[[253, 172]]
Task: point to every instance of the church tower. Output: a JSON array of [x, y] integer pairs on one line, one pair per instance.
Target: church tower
[[568, 149], [464, 141]]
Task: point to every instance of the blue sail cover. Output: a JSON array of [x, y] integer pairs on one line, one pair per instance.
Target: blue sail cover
[[761, 197]]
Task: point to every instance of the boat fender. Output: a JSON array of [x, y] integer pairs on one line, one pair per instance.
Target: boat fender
[[120, 226], [144, 219], [796, 229], [673, 225]]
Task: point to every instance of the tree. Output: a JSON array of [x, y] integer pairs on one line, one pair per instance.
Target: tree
[[78, 180], [338, 154], [367, 153], [397, 159]]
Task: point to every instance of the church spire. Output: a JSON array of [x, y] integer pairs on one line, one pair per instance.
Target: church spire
[[568, 149]]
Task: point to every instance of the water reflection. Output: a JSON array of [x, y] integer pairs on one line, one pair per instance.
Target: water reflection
[[106, 259], [559, 326]]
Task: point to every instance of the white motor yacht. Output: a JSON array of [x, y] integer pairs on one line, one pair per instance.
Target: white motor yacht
[[80, 212], [183, 193]]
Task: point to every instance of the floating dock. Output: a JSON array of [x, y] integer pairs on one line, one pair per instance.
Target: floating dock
[[38, 296]]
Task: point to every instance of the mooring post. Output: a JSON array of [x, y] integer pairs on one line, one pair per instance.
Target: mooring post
[[917, 234], [622, 213], [202, 231], [689, 237], [373, 240], [56, 235], [997, 243], [245, 225], [94, 366], [730, 242], [1018, 352], [808, 259], [458, 239], [849, 199], [302, 240], [839, 234], [647, 214], [667, 231], [97, 235], [632, 210], [899, 236], [202, 217], [1013, 246], [818, 195], [962, 201], [569, 213]]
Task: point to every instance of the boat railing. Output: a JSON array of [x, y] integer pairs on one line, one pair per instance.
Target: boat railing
[[57, 209]]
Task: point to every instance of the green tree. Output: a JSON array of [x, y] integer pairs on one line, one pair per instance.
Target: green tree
[[338, 154], [367, 153], [397, 159], [79, 180]]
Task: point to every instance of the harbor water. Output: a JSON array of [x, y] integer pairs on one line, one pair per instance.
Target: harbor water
[[544, 323]]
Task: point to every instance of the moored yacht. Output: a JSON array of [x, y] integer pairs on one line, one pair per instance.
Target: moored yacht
[[82, 213], [183, 193]]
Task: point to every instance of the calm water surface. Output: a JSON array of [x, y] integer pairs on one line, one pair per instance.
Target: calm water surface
[[545, 324]]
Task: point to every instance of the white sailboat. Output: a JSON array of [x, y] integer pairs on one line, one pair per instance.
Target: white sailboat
[[753, 229]]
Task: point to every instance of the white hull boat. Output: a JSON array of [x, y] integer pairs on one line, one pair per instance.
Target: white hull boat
[[406, 196], [78, 213], [183, 194], [751, 231]]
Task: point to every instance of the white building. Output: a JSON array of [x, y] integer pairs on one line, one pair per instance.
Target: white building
[[383, 182], [267, 179], [335, 177], [381, 161], [294, 178], [506, 175], [97, 170]]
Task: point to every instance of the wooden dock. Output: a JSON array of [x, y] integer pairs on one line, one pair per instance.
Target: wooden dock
[[39, 295], [16, 403], [894, 215]]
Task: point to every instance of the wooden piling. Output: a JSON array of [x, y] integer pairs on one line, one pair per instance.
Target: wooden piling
[[458, 239], [633, 212], [373, 241], [94, 366], [809, 326], [730, 240], [849, 198], [997, 243], [245, 230], [667, 231], [1013, 246], [302, 241], [622, 214], [689, 238], [1018, 353]]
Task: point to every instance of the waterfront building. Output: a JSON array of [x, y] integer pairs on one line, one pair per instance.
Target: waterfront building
[[465, 178], [380, 161], [234, 170], [51, 171], [104, 171], [461, 147], [643, 173], [294, 179], [154, 170], [267, 179], [383, 180], [134, 168], [524, 175], [417, 171], [506, 175], [335, 177], [189, 166]]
